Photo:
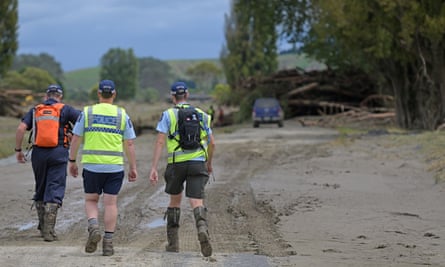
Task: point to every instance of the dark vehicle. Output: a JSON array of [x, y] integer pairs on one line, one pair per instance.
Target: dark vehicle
[[267, 110]]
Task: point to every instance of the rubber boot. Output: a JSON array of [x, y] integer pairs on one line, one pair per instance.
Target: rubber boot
[[200, 214], [40, 207], [49, 221], [172, 215]]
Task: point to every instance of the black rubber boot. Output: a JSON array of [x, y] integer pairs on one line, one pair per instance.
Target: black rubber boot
[[172, 215], [40, 207], [49, 222], [200, 214]]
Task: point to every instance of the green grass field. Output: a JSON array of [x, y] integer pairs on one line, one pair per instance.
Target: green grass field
[[8, 127], [83, 78]]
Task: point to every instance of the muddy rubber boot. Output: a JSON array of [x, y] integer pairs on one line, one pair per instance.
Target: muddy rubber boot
[[40, 207], [200, 214], [172, 215], [49, 222], [107, 247], [93, 238]]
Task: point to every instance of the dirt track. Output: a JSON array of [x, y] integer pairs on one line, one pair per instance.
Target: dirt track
[[281, 197]]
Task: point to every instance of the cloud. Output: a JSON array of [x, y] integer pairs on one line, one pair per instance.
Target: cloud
[[78, 33]]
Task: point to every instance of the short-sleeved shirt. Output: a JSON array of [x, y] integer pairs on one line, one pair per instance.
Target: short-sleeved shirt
[[129, 133], [164, 123]]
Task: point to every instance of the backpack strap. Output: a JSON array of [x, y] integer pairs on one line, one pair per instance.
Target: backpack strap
[[171, 112]]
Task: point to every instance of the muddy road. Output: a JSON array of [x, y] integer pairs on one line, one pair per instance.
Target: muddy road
[[286, 196]]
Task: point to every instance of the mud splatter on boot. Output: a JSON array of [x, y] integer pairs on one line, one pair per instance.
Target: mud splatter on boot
[[200, 214], [93, 238], [172, 215], [40, 207], [107, 247], [49, 222]]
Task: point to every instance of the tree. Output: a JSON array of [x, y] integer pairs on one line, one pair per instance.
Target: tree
[[122, 67], [400, 41], [31, 78], [205, 74], [251, 42], [221, 93], [8, 33], [42, 61], [154, 74]]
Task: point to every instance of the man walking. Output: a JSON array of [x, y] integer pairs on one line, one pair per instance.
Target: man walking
[[188, 163], [49, 122], [107, 134]]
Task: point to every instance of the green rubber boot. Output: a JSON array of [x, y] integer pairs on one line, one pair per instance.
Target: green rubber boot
[[172, 215], [49, 222], [40, 207], [200, 214]]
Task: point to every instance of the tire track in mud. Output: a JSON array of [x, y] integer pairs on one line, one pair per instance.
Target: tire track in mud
[[238, 223]]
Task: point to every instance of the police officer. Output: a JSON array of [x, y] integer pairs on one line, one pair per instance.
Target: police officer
[[49, 164], [188, 166], [108, 133]]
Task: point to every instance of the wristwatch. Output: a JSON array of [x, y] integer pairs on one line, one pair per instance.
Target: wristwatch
[[71, 160], [17, 149]]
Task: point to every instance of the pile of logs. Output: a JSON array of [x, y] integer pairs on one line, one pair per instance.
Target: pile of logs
[[12, 102], [326, 92]]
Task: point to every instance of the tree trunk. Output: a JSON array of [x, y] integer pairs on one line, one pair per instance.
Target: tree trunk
[[418, 94]]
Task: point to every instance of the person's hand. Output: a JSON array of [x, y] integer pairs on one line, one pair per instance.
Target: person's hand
[[69, 136], [209, 167], [20, 157], [132, 175], [74, 171], [153, 176]]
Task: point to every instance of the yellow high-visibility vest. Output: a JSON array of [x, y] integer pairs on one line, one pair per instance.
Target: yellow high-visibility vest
[[103, 135]]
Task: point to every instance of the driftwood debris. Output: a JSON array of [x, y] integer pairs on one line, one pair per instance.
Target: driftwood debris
[[326, 93], [12, 101]]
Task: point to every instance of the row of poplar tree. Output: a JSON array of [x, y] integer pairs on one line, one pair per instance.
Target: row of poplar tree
[[401, 44]]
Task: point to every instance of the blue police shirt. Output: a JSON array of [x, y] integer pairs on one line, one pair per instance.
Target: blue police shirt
[[164, 122]]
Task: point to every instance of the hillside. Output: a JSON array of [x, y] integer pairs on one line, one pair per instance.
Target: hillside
[[88, 77], [83, 78]]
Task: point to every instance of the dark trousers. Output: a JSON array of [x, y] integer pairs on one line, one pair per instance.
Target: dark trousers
[[50, 170]]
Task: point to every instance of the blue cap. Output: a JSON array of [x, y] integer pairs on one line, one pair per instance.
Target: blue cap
[[54, 88], [178, 88], [106, 86]]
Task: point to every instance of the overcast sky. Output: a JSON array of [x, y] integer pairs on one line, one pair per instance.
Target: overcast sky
[[77, 33]]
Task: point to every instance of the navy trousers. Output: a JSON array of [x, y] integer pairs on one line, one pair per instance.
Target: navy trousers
[[50, 171]]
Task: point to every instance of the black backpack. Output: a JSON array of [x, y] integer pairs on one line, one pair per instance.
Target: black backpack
[[188, 128]]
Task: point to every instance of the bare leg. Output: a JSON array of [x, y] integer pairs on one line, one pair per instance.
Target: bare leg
[[175, 201], [91, 205], [110, 214]]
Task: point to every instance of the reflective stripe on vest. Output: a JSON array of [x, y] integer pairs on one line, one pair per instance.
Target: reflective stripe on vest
[[104, 129], [179, 154]]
